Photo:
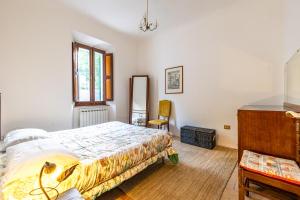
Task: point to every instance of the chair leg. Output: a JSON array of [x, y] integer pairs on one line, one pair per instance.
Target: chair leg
[[168, 127], [247, 183], [163, 160], [241, 194], [241, 185]]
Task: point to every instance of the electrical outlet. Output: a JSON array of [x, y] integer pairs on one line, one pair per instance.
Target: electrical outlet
[[227, 127]]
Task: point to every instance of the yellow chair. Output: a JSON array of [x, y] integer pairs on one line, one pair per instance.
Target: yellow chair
[[164, 112]]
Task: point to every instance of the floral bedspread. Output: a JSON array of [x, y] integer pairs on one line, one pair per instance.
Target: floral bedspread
[[109, 154]]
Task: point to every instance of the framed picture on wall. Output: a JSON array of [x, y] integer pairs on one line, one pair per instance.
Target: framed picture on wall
[[174, 80]]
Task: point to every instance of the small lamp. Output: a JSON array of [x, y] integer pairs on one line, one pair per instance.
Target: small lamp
[[49, 168]]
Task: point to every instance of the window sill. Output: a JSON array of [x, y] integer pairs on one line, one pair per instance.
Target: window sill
[[79, 104]]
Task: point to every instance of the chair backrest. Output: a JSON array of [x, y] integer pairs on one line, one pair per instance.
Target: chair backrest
[[164, 108]]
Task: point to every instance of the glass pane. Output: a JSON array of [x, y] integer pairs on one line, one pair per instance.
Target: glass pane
[[292, 81], [139, 101], [98, 59], [84, 74]]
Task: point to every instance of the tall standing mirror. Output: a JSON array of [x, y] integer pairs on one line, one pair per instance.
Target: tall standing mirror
[[139, 100], [292, 83]]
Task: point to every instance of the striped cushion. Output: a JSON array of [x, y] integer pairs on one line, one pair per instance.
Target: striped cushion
[[278, 168]]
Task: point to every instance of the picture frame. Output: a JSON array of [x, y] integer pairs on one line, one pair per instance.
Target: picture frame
[[174, 80]]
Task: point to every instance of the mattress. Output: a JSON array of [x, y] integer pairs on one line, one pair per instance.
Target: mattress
[[109, 154]]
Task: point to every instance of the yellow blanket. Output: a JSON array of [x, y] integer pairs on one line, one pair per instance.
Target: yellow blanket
[[109, 154]]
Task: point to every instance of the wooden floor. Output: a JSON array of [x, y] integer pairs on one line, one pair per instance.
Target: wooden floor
[[200, 174], [165, 181], [231, 191]]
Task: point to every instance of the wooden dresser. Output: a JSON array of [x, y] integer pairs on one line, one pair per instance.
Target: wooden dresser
[[267, 130]]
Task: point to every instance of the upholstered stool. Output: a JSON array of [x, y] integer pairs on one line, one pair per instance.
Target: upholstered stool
[[278, 168], [276, 172]]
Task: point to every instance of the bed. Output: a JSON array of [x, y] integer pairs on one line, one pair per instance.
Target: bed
[[108, 153]]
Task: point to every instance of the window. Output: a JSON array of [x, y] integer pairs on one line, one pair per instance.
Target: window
[[92, 76], [109, 76]]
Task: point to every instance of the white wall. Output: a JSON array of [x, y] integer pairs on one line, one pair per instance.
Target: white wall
[[35, 63], [232, 53], [232, 56], [292, 28]]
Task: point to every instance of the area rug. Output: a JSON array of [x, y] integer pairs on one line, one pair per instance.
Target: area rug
[[200, 174]]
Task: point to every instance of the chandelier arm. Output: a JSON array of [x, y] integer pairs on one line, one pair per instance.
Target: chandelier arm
[[153, 28], [147, 10], [143, 28], [145, 24]]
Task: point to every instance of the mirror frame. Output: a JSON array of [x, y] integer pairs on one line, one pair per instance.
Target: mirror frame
[[131, 83], [286, 104]]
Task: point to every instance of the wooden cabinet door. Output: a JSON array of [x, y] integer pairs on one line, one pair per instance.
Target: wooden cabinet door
[[267, 132]]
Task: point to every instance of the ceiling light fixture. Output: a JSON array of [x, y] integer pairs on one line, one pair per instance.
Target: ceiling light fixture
[[145, 24]]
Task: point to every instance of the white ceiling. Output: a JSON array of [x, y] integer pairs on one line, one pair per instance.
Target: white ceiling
[[125, 15]]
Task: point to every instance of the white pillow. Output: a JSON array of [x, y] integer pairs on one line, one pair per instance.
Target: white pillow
[[23, 135], [26, 159]]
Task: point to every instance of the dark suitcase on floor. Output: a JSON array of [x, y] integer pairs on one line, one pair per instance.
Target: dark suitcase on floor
[[201, 137]]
